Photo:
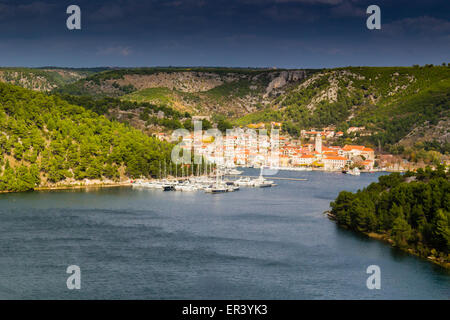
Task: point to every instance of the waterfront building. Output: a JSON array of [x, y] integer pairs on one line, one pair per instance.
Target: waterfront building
[[334, 162]]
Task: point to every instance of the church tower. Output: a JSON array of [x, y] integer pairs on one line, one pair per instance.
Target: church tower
[[318, 147]]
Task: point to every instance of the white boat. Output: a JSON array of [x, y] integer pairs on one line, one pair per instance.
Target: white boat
[[355, 172], [262, 182], [232, 172], [243, 182], [137, 184], [217, 188], [186, 187]]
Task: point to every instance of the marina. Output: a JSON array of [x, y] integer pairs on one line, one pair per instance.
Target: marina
[[227, 180], [212, 183]]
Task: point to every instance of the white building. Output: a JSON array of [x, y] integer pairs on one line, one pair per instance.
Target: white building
[[334, 162]]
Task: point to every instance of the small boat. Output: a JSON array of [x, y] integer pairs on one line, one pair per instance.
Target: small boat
[[186, 187], [138, 184], [243, 182], [232, 172], [262, 182], [354, 172], [168, 187], [216, 189], [219, 190]]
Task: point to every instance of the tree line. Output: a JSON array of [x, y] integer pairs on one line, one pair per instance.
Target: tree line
[[413, 210], [45, 139]]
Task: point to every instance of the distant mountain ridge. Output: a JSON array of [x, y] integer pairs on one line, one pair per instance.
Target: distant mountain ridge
[[228, 91], [42, 79], [395, 105]]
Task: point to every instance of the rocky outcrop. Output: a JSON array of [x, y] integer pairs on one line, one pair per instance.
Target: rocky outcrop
[[283, 78], [182, 81]]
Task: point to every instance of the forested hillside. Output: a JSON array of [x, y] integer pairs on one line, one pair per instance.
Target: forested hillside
[[45, 140], [147, 117], [399, 107], [412, 211], [44, 79], [403, 110], [206, 91]]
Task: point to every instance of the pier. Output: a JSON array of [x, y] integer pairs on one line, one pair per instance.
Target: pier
[[274, 178]]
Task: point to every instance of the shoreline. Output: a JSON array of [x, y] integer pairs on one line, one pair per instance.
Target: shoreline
[[312, 169], [79, 186], [96, 185], [385, 238]]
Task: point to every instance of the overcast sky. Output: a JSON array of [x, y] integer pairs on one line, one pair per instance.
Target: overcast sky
[[244, 33]]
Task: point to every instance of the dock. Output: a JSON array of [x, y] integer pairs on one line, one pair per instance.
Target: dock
[[273, 178]]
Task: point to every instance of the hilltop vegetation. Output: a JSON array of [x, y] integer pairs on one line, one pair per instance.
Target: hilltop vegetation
[[411, 211], [43, 79], [147, 117], [46, 140], [404, 110], [207, 91], [389, 102]]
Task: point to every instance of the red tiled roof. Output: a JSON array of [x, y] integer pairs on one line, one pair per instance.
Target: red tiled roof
[[335, 158], [350, 147]]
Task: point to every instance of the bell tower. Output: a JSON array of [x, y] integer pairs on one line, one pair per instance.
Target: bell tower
[[318, 145]]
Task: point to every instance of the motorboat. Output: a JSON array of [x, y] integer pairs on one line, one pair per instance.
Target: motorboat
[[232, 171], [186, 187], [243, 182], [355, 172], [262, 182]]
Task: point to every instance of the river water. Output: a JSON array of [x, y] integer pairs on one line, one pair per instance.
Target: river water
[[271, 243]]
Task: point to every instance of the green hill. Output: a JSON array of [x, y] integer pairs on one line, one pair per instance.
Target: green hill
[[45, 140], [205, 91], [147, 117], [390, 102], [410, 211], [400, 108], [44, 79]]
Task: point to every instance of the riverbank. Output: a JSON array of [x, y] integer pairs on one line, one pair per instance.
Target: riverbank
[[386, 238], [85, 186], [76, 186]]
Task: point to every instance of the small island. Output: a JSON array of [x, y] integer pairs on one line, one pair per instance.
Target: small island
[[410, 211]]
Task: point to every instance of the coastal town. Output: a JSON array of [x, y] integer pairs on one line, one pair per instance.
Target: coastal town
[[253, 146]]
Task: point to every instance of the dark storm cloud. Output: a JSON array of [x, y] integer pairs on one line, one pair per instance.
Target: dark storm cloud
[[286, 33]]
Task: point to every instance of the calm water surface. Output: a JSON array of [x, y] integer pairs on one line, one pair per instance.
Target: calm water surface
[[270, 243]]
